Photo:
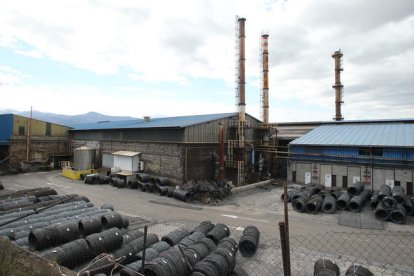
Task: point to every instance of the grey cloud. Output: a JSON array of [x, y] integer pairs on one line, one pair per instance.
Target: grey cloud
[[376, 38], [183, 38], [387, 95], [286, 45], [186, 37], [357, 15]]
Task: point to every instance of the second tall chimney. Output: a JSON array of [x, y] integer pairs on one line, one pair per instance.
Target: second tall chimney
[[265, 80]]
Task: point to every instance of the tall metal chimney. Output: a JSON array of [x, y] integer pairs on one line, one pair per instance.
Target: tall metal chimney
[[265, 80], [242, 80], [338, 85]]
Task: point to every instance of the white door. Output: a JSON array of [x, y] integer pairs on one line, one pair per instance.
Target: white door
[[328, 181], [356, 179], [307, 177]]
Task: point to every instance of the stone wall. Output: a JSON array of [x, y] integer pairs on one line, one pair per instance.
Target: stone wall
[[40, 149], [4, 153], [160, 159], [177, 161]]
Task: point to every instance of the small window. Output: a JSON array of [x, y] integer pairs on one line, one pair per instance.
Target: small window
[[21, 130], [377, 152], [294, 176], [364, 151], [48, 129], [397, 183], [369, 151]]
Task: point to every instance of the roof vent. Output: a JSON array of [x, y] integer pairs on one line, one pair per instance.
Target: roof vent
[[147, 118]]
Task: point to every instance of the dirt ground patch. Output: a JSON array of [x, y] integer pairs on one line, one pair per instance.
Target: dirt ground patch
[[17, 261]]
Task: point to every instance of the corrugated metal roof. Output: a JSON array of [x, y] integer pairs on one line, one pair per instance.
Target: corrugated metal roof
[[367, 121], [371, 135], [167, 122], [126, 153]]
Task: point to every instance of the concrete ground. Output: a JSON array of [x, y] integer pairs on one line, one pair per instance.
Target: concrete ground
[[261, 207]]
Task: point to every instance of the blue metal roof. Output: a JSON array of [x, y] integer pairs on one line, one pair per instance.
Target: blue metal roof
[[167, 122], [370, 135]]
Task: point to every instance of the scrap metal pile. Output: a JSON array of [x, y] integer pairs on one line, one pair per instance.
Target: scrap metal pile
[[211, 190], [202, 190]]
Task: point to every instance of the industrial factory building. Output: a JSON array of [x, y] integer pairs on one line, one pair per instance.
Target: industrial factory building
[[194, 147], [339, 154], [181, 148], [24, 139]]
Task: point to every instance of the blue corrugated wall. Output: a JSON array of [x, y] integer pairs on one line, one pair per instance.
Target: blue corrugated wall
[[6, 128], [398, 156]]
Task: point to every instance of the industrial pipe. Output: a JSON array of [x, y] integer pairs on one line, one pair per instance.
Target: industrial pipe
[[221, 154]]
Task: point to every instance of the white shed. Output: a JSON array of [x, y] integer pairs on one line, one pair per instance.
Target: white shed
[[126, 160], [107, 159]]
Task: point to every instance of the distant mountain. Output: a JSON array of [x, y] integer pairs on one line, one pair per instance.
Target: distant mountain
[[68, 120]]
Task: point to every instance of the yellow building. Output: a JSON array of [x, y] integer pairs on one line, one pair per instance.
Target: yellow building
[[23, 139]]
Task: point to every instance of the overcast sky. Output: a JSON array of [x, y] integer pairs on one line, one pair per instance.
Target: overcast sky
[[171, 58]]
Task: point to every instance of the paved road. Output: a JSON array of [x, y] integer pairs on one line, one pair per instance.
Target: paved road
[[261, 207]]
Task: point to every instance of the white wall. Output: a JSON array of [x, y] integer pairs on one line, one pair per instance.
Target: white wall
[[126, 163]]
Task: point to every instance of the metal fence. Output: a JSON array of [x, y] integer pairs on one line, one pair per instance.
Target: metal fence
[[382, 252]]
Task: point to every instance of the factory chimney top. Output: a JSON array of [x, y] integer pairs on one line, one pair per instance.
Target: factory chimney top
[[338, 86]]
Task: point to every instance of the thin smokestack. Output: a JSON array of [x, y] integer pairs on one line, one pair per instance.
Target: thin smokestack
[[242, 79], [338, 85], [265, 84]]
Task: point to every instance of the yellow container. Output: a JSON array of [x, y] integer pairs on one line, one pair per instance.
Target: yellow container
[[76, 175]]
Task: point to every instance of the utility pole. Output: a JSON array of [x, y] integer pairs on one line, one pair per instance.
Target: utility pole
[[29, 134]]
